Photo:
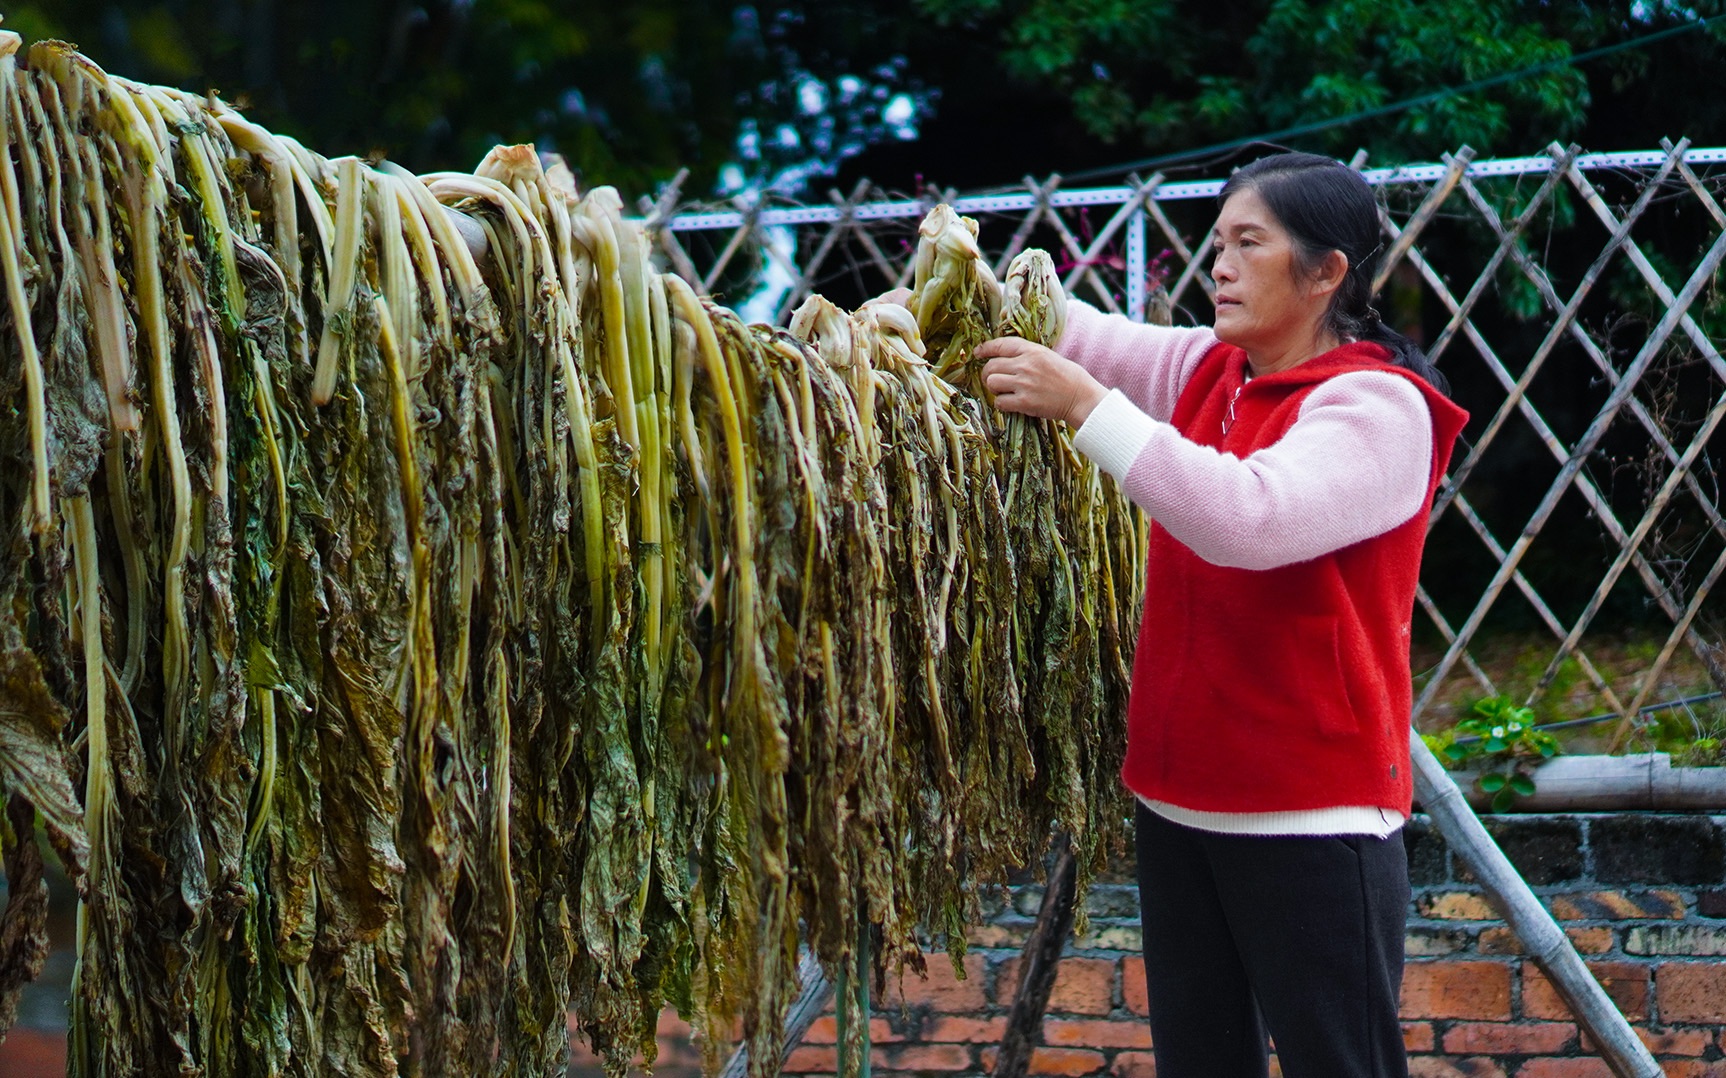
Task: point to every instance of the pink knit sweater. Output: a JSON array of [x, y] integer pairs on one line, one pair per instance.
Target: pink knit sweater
[[1354, 465]]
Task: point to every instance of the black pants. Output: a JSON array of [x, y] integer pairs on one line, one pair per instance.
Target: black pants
[[1299, 937]]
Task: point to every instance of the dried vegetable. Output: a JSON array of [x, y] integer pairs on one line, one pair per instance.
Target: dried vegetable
[[1066, 622], [425, 618]]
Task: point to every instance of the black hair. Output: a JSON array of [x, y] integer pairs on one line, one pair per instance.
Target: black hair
[[1326, 206]]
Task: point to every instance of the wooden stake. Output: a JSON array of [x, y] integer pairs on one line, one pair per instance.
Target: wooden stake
[[1041, 958]]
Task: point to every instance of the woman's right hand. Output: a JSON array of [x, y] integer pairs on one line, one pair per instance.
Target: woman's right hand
[[1026, 377]]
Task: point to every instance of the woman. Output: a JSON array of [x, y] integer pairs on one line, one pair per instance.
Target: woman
[[1287, 458]]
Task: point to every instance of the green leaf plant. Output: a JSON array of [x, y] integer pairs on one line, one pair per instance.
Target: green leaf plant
[[1501, 736]]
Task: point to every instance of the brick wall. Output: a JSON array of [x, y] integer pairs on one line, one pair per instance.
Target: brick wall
[[1642, 895], [1643, 899]]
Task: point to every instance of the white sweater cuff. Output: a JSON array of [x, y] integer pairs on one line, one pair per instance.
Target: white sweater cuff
[[1114, 434]]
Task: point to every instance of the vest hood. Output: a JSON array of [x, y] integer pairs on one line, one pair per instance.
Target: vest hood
[[1448, 419]]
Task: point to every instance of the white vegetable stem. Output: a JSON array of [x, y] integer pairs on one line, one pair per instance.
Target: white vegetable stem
[[10, 245], [339, 303]]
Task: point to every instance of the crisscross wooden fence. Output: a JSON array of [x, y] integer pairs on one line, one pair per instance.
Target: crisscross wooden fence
[[1572, 300]]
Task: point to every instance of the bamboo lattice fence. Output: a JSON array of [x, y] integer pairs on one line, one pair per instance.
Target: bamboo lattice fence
[[1571, 299]]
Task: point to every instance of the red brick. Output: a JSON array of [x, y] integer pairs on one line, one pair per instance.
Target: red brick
[[885, 1031], [940, 990], [1417, 1036], [825, 1030], [959, 1030], [1498, 940], [1693, 1068], [1456, 990], [1134, 1065], [1133, 990], [1082, 986], [1096, 1033], [812, 1059], [1626, 983], [1446, 1067], [922, 1057], [1692, 992], [1573, 1067], [1068, 1062], [33, 1053], [1506, 1038], [1676, 1042], [1594, 939]]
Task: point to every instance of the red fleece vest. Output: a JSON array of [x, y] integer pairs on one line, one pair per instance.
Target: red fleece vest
[[1282, 689]]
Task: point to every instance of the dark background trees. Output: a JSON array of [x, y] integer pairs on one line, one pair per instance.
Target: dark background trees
[[967, 93]]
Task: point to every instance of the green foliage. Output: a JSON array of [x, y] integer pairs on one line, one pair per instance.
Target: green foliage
[[1703, 752], [636, 88], [628, 91], [1500, 736], [1177, 74], [1695, 735], [632, 90]]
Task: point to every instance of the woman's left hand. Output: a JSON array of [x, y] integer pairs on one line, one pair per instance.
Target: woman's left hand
[[1029, 378]]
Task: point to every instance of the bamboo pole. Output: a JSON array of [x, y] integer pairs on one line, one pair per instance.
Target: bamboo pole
[[805, 283], [1041, 192], [851, 1009], [1538, 933], [1644, 781], [1455, 166]]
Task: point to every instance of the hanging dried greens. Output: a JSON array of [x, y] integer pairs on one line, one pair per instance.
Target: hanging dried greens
[[427, 619]]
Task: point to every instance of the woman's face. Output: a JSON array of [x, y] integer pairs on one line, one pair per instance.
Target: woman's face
[[1264, 304]]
